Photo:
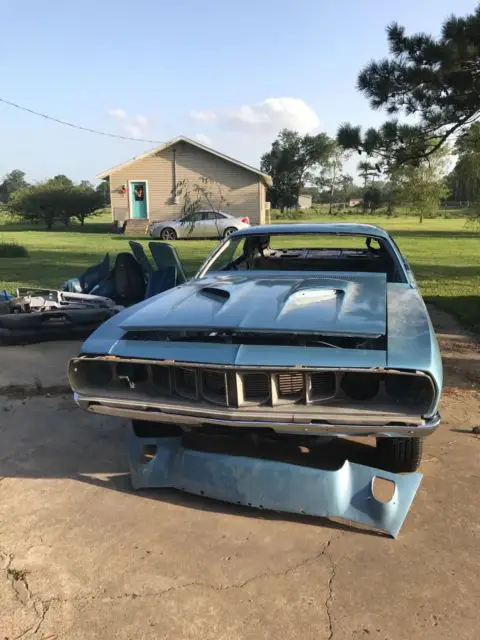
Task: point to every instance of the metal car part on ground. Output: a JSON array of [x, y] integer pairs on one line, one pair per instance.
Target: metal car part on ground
[[49, 299], [348, 492], [28, 319], [34, 315]]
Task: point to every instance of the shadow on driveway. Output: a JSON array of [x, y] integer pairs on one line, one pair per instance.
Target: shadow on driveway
[[51, 438]]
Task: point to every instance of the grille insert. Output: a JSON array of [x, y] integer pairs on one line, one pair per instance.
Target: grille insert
[[186, 382], [214, 386], [132, 373], [161, 379], [322, 385], [256, 387], [290, 385]]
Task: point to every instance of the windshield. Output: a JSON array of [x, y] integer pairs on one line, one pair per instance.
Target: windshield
[[305, 252]]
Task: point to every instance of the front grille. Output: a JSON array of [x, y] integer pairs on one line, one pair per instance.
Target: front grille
[[238, 388]]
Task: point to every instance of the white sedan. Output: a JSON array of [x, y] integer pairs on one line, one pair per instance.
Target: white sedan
[[200, 224]]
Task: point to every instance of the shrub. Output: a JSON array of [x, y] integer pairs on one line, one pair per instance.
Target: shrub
[[473, 221], [12, 250]]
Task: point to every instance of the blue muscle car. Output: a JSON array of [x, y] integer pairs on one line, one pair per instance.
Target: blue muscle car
[[309, 330]]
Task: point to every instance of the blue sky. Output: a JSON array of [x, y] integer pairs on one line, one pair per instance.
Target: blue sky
[[230, 72]]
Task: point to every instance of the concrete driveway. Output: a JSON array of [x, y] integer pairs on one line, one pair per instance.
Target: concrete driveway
[[83, 557]]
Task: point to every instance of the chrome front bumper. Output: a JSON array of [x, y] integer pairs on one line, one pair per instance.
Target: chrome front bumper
[[287, 423]]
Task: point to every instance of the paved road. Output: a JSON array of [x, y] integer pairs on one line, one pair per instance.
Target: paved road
[[84, 557]]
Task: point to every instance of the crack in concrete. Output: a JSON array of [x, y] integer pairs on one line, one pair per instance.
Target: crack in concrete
[[23, 594], [18, 581], [35, 628], [329, 600], [42, 607], [200, 585], [7, 558], [21, 589]]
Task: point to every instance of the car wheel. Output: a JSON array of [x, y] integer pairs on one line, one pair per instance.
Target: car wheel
[[145, 429], [168, 234], [228, 231], [400, 455]]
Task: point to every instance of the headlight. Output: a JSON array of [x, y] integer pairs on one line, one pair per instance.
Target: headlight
[[360, 386]]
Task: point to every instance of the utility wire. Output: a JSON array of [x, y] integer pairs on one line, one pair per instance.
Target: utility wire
[[76, 126]]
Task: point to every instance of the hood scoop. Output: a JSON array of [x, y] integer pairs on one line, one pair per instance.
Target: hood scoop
[[215, 293], [353, 305], [312, 296]]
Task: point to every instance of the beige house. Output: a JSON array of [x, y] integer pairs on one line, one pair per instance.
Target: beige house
[[144, 189]]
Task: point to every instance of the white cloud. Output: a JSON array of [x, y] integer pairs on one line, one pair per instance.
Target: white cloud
[[203, 139], [132, 126], [268, 116], [141, 120], [203, 116], [133, 130], [118, 114]]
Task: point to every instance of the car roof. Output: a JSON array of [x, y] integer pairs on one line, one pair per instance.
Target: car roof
[[213, 211], [341, 228]]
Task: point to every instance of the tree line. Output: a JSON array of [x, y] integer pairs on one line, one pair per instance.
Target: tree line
[[314, 165], [436, 80], [57, 200]]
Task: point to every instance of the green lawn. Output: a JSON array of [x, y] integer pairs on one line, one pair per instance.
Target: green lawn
[[445, 257]]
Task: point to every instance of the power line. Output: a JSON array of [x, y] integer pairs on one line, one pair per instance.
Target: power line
[[76, 126]]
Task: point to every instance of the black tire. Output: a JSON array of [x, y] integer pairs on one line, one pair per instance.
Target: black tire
[[228, 231], [144, 429], [168, 234], [400, 455]]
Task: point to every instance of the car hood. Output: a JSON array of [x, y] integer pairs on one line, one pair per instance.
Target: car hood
[[327, 304]]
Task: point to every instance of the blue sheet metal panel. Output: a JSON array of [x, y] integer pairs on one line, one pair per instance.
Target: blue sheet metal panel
[[299, 302], [250, 355], [412, 343], [278, 486], [103, 339]]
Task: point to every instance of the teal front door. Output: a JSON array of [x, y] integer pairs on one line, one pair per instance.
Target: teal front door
[[138, 200]]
